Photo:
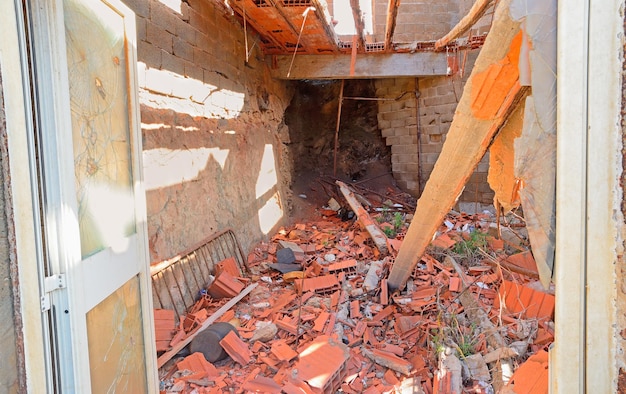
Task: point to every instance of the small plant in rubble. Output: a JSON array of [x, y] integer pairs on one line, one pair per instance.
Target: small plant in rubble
[[395, 219], [452, 334], [469, 247]]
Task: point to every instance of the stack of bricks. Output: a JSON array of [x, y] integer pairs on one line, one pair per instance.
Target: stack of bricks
[[397, 120]]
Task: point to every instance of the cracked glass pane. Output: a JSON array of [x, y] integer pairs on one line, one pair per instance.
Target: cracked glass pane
[[116, 348], [98, 81]]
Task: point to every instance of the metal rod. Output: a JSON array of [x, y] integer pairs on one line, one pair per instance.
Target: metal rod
[[379, 98], [337, 128], [419, 138]]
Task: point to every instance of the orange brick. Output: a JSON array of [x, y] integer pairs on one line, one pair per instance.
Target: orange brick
[[320, 322], [522, 299], [355, 309], [455, 284], [197, 363], [384, 292], [229, 265], [225, 286], [282, 351], [532, 375], [287, 326], [236, 348]]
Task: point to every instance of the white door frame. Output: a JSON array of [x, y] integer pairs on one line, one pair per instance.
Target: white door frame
[[589, 99], [62, 235], [14, 67]]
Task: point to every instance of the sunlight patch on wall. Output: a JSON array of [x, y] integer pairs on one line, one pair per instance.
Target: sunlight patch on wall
[[167, 90], [174, 5], [270, 214], [267, 174], [161, 126], [166, 167]]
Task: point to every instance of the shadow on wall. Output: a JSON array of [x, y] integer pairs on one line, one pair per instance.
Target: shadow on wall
[[213, 156]]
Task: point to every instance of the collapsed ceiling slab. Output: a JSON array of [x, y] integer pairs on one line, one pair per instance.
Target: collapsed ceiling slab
[[284, 25]]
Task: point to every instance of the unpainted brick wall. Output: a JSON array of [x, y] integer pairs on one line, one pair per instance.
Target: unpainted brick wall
[[417, 20], [214, 140], [400, 125], [397, 120]]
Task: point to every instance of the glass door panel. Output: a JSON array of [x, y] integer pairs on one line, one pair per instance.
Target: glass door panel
[[98, 83], [116, 346]]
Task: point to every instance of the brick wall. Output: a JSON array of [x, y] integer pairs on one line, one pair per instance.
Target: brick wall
[[398, 121], [214, 140], [417, 20]]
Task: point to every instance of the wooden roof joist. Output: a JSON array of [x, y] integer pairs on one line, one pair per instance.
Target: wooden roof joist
[[475, 13], [392, 13], [368, 66], [359, 24]]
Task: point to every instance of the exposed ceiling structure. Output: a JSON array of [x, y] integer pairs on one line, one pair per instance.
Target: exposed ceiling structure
[[283, 25]]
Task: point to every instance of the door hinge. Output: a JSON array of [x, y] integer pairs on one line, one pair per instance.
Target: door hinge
[[50, 284]]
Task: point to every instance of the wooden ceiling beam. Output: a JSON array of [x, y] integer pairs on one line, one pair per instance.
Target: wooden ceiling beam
[[358, 23], [367, 66], [390, 26], [475, 13]]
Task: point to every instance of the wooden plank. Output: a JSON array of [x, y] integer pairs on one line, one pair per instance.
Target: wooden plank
[[359, 24], [390, 26], [370, 65], [165, 357], [473, 16], [379, 238], [490, 94]]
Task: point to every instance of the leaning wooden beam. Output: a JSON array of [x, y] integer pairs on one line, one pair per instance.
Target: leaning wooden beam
[[165, 357], [374, 65], [358, 23], [379, 238], [475, 13], [390, 26], [490, 93]]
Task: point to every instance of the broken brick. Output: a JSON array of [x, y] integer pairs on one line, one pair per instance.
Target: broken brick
[[319, 284], [522, 299], [322, 364], [225, 286], [229, 265], [236, 348], [282, 351], [532, 376], [197, 363]]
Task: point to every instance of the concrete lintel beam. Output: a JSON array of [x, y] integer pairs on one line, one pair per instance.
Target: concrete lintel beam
[[368, 66]]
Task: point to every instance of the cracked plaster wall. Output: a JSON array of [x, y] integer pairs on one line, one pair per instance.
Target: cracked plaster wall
[[214, 142], [8, 366]]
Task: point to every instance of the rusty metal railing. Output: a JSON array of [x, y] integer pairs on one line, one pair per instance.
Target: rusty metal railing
[[177, 283]]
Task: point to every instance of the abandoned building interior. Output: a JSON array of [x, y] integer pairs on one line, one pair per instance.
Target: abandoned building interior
[[310, 196]]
